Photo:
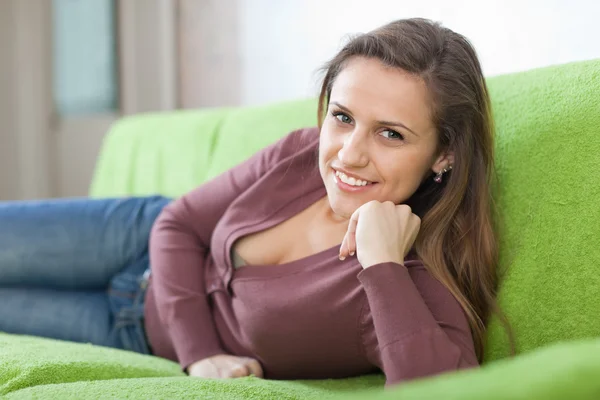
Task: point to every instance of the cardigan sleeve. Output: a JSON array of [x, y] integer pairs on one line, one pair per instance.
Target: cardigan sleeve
[[415, 327], [179, 245]]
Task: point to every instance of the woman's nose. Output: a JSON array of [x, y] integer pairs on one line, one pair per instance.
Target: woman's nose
[[354, 152]]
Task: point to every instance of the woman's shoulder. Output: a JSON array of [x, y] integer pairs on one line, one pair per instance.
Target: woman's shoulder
[[297, 154], [299, 140], [288, 147]]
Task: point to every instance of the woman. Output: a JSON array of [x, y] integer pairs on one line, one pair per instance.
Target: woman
[[367, 243]]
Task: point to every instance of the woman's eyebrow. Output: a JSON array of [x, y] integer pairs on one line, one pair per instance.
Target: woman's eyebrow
[[389, 123]]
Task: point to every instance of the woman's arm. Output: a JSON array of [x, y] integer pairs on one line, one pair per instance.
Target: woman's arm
[[179, 245], [416, 327]]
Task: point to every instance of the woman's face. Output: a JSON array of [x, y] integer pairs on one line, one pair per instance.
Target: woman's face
[[378, 129]]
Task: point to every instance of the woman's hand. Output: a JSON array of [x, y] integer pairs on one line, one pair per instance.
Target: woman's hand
[[380, 232], [225, 366]]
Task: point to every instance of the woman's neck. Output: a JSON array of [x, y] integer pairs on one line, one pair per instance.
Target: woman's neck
[[325, 213]]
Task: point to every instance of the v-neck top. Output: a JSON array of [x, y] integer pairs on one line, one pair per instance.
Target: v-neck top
[[312, 318]]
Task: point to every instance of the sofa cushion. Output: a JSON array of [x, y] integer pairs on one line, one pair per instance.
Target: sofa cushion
[[548, 161], [49, 369]]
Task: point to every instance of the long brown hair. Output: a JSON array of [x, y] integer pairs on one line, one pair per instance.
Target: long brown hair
[[457, 241]]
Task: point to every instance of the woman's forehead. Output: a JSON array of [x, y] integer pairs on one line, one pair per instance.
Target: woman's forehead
[[368, 87]]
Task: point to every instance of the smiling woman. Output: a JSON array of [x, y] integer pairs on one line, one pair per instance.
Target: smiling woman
[[337, 251], [416, 74], [359, 139]]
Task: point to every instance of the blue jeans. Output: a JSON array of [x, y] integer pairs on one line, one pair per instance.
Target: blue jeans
[[76, 269]]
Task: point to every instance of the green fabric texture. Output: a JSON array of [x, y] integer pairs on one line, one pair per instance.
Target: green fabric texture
[[247, 130], [49, 369], [548, 155], [29, 361], [171, 153], [166, 153]]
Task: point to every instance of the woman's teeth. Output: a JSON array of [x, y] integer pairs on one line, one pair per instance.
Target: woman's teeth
[[350, 180]]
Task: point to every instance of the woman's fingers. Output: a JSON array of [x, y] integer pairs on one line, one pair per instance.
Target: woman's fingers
[[351, 243], [343, 249], [239, 371], [254, 368], [348, 247], [226, 366], [249, 366], [351, 234]]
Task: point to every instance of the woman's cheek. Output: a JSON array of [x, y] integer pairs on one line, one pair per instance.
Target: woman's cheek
[[327, 145]]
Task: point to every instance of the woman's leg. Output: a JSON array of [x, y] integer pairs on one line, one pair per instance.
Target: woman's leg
[[75, 243], [69, 269], [66, 315]]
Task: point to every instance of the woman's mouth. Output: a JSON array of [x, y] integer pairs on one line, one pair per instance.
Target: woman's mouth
[[350, 184]]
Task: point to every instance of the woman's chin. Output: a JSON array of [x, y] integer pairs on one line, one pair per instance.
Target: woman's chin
[[342, 210]]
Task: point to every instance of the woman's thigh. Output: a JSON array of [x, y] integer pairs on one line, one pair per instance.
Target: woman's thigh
[[73, 244], [74, 316]]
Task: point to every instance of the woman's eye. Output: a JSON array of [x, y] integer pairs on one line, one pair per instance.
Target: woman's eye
[[343, 118], [389, 134]]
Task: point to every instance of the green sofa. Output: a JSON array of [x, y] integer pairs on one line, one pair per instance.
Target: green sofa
[[548, 193]]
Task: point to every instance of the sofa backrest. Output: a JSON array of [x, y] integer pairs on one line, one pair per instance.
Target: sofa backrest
[[170, 153], [548, 159], [548, 153]]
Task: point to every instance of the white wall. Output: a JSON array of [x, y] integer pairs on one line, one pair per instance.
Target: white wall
[[284, 42]]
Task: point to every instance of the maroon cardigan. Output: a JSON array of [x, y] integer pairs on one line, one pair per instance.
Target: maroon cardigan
[[316, 317]]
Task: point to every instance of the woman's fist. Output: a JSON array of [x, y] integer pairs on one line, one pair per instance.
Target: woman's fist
[[380, 232]]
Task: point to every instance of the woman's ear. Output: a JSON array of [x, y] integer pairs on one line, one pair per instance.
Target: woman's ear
[[444, 160]]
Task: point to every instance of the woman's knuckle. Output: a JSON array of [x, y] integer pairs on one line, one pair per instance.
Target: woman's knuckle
[[407, 208]]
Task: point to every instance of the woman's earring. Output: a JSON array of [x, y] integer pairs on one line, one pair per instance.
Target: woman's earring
[[438, 177]]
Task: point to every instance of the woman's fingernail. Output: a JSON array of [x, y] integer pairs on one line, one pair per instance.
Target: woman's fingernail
[[351, 253], [342, 258]]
